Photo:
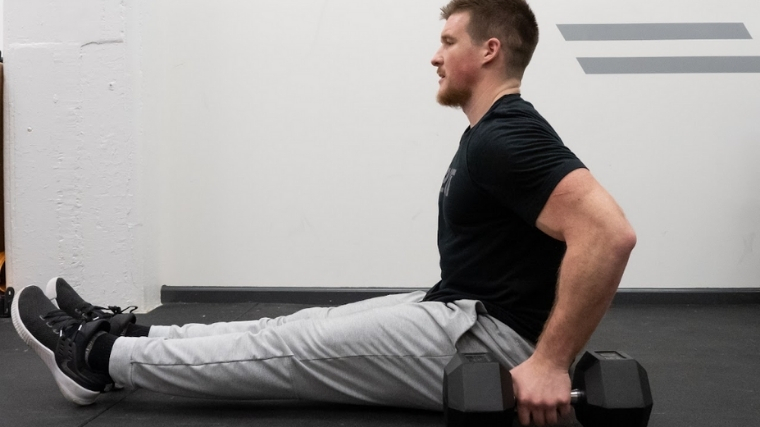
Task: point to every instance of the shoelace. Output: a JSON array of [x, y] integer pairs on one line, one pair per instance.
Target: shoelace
[[59, 321], [92, 312]]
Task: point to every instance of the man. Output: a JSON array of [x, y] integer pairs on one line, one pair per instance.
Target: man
[[515, 158], [532, 251]]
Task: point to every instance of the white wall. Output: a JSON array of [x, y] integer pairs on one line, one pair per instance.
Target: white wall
[[72, 149], [2, 8], [298, 143], [678, 151]]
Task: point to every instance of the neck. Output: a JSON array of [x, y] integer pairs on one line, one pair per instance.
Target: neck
[[483, 98]]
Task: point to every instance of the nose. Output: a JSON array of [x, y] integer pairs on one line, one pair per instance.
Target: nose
[[437, 60]]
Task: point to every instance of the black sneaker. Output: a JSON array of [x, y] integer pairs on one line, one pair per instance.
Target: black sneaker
[[69, 301], [60, 341]]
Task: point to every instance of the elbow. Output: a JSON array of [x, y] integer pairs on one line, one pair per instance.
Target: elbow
[[623, 240]]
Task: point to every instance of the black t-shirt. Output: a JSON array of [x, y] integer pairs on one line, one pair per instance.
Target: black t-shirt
[[506, 168]]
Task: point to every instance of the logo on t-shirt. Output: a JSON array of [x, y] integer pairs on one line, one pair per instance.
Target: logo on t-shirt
[[447, 181]]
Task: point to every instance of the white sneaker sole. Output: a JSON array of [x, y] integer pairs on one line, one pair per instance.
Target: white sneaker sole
[[50, 291], [68, 387]]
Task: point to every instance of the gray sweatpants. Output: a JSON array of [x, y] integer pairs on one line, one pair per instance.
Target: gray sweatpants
[[389, 350]]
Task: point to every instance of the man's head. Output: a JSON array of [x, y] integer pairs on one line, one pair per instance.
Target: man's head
[[476, 33]]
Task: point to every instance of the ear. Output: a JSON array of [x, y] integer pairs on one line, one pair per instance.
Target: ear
[[491, 50]]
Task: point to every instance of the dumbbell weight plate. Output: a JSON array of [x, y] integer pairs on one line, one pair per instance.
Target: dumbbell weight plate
[[615, 388], [477, 391]]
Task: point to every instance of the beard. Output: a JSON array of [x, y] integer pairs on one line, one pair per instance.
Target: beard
[[454, 97]]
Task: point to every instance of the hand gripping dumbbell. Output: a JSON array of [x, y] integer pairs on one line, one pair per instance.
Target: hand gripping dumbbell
[[609, 389]]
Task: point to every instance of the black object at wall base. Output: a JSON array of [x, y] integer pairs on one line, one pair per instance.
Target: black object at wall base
[[337, 296], [6, 299], [283, 295], [696, 296]]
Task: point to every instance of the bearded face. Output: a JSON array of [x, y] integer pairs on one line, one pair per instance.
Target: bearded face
[[457, 62]]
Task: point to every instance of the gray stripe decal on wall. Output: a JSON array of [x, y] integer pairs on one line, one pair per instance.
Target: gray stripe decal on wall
[[669, 65], [674, 31]]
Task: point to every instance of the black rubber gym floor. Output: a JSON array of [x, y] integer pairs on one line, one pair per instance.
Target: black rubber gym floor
[[703, 364]]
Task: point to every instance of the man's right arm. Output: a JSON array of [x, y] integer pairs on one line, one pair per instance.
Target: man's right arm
[[599, 242]]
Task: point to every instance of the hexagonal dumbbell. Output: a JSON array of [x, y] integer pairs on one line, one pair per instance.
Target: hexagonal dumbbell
[[610, 389]]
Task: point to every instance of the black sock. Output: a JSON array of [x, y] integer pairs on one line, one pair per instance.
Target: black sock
[[135, 330], [100, 352]]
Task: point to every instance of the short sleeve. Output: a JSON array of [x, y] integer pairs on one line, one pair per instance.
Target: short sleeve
[[519, 159]]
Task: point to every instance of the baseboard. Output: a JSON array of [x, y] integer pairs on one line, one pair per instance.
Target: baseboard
[[336, 296], [282, 295], [694, 296]]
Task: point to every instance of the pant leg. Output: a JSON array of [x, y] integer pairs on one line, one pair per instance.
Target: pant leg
[[192, 330], [490, 334], [391, 356]]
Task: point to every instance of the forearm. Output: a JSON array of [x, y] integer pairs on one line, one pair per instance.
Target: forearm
[[589, 276]]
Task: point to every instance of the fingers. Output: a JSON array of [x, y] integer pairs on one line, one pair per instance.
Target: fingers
[[523, 414], [542, 416], [542, 394], [565, 410], [539, 418], [550, 417]]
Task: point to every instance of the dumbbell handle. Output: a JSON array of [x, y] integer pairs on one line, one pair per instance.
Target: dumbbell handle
[[577, 396]]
